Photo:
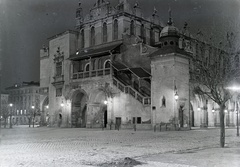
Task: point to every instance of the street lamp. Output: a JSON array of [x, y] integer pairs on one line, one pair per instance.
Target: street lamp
[[105, 102], [176, 96], [10, 114], [237, 119]]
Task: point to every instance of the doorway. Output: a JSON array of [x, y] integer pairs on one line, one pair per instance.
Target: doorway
[[79, 109], [105, 119], [118, 123], [181, 121]]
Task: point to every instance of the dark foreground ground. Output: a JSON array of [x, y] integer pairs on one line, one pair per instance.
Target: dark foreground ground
[[52, 147]]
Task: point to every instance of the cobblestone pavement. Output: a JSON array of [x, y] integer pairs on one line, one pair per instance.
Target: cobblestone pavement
[[41, 147]]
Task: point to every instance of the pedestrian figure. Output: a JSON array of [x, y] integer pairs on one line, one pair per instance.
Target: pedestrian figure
[[47, 119], [60, 120]]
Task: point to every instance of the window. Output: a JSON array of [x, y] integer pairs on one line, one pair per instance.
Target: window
[[58, 68], [134, 120], [115, 30], [82, 38], [163, 101], [152, 40], [143, 33], [92, 36], [99, 63], [139, 120], [132, 28], [93, 64], [87, 67], [104, 32], [58, 92], [107, 64]]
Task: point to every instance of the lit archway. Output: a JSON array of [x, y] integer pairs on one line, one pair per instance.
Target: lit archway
[[45, 110], [79, 109]]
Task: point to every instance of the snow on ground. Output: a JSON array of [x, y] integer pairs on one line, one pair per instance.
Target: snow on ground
[[41, 147]]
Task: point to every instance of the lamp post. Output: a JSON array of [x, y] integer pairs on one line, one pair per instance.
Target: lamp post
[[237, 119], [176, 99], [10, 105], [213, 111], [33, 114]]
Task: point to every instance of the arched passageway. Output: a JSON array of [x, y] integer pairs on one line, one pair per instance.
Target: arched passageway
[[79, 109], [44, 114]]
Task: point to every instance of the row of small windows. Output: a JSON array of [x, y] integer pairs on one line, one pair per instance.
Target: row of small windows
[[167, 43], [95, 65], [115, 33], [106, 65], [104, 31]]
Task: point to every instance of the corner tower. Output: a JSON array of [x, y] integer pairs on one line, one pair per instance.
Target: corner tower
[[170, 79]]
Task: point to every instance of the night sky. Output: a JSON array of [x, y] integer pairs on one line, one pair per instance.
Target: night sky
[[25, 26]]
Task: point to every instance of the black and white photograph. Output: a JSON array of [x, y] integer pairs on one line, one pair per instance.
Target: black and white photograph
[[119, 83]]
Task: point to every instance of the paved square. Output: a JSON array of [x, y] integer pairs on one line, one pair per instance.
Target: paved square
[[41, 147]]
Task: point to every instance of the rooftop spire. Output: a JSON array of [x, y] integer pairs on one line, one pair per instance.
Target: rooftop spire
[[79, 3], [170, 17], [154, 11]]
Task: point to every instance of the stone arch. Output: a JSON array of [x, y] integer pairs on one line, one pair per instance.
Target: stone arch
[[45, 110], [92, 36], [79, 109], [97, 108], [87, 67], [107, 64], [104, 31], [115, 29]]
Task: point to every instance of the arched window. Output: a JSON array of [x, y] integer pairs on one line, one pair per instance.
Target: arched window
[[115, 30], [87, 67], [99, 64], [104, 32], [92, 36], [93, 64], [143, 33], [152, 37], [132, 28], [82, 38], [107, 64]]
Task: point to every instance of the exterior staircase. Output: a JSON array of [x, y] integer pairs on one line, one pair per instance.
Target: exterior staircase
[[143, 99]]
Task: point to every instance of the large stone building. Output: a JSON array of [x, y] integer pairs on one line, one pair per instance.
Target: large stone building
[[4, 108], [119, 69], [23, 97]]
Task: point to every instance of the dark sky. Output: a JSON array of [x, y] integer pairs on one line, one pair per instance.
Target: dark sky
[[25, 26]]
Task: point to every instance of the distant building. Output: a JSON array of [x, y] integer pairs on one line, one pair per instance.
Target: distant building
[[4, 107], [119, 69], [22, 97]]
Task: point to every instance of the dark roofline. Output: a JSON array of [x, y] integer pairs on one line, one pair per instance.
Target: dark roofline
[[23, 85], [62, 33]]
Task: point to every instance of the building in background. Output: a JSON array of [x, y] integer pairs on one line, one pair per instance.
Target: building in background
[[119, 69], [4, 110], [23, 97]]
